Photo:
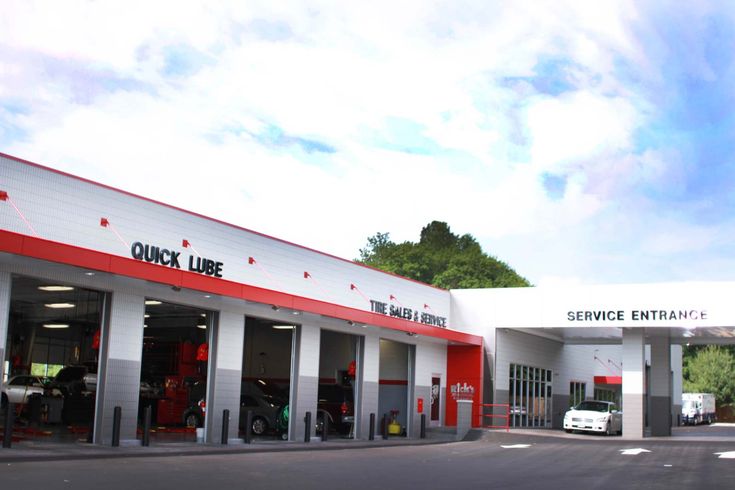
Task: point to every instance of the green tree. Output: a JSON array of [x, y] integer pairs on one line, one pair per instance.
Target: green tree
[[711, 370], [440, 258]]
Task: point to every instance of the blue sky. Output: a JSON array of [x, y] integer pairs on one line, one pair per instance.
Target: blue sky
[[581, 142]]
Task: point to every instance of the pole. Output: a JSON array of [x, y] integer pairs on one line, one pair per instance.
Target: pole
[[147, 426], [225, 426], [116, 419]]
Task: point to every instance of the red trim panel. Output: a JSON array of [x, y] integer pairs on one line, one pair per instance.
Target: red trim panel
[[105, 186], [464, 366], [608, 380], [51, 251]]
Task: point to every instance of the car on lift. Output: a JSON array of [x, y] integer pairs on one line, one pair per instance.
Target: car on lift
[[594, 416], [337, 403], [18, 388]]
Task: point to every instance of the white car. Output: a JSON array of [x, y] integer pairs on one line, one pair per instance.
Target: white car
[[594, 416], [20, 387]]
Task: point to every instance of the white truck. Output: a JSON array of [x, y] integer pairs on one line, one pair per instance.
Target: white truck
[[698, 408]]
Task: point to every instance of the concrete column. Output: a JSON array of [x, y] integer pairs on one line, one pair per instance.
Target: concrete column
[[676, 368], [660, 389], [634, 371], [305, 380], [225, 375], [5, 283], [369, 386], [121, 351], [464, 418]]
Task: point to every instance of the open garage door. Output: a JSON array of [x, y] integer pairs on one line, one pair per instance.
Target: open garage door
[[173, 379], [266, 378], [394, 392], [338, 390], [52, 348]]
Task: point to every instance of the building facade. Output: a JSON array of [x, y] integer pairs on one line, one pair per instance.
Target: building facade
[[147, 307]]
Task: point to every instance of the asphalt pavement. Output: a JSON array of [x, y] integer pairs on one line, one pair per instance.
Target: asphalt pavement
[[516, 460]]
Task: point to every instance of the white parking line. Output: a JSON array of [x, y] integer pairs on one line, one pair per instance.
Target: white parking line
[[516, 446]]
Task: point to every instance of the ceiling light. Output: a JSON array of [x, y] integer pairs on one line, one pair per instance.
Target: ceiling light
[[152, 302], [203, 314], [283, 327], [296, 312], [89, 273], [203, 327], [146, 315], [55, 288], [59, 305], [55, 325], [207, 296], [145, 325]]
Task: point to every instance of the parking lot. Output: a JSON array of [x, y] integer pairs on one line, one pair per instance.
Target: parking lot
[[520, 459]]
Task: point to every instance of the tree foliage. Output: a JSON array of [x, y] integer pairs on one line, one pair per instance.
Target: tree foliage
[[711, 370], [440, 258]]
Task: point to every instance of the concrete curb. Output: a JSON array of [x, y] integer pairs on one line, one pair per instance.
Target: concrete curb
[[63, 452]]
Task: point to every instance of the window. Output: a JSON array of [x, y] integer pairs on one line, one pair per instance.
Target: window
[[529, 396], [576, 393]]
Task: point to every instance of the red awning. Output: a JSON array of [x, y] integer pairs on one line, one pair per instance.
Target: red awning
[[608, 380]]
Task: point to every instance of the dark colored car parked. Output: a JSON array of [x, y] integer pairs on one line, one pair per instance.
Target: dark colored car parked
[[338, 403]]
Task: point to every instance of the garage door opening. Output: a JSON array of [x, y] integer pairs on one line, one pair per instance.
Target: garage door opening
[[51, 359], [394, 399], [338, 391], [174, 367], [266, 378]]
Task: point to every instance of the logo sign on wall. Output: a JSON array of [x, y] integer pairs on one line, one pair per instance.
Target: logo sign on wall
[[170, 258], [462, 391]]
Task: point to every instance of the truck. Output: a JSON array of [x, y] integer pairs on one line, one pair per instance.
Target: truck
[[698, 408]]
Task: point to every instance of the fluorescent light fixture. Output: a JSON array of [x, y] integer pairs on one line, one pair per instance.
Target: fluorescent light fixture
[[89, 273], [152, 302], [202, 314], [203, 327], [59, 305], [296, 312], [145, 325], [283, 327], [146, 315], [55, 325], [55, 288]]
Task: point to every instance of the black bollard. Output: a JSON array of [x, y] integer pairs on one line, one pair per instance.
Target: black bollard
[[147, 426], [371, 435], [9, 420], [225, 426], [90, 431], [325, 427], [307, 423], [423, 426], [385, 426], [249, 427], [116, 419]]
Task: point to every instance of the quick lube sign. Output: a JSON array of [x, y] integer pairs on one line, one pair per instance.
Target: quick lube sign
[[172, 258]]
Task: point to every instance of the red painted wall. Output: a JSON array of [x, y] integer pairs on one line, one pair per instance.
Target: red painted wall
[[464, 365]]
